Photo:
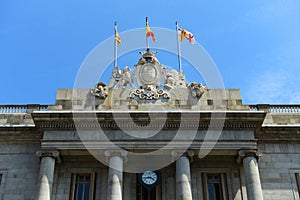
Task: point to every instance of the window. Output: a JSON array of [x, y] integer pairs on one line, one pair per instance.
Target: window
[[82, 187], [298, 182], [215, 187], [2, 182], [210, 102], [143, 193]]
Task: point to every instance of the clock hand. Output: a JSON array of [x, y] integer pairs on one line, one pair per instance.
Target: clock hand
[[150, 177]]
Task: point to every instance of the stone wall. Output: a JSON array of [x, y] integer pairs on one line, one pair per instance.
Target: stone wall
[[64, 170], [212, 99], [218, 164], [19, 167], [277, 167], [62, 178]]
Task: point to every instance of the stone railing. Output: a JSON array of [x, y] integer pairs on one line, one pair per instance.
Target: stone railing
[[276, 108], [10, 109]]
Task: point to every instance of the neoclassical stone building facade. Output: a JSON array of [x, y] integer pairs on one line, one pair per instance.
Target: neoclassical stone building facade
[[149, 135]]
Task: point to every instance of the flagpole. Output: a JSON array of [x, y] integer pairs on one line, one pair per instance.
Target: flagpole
[[178, 48], [115, 46], [147, 42]]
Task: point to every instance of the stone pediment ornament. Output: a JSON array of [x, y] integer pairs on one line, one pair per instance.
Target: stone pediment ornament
[[149, 81], [148, 71], [149, 93], [100, 90], [197, 89]]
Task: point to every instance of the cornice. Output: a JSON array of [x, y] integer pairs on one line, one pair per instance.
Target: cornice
[[279, 133], [120, 120], [19, 134]]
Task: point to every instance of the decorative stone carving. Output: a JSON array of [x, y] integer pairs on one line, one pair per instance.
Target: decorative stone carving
[[177, 153], [53, 153], [197, 89], [149, 81], [120, 153], [112, 152], [125, 78], [101, 90], [149, 93], [115, 77], [148, 74], [175, 78], [243, 153], [148, 57]]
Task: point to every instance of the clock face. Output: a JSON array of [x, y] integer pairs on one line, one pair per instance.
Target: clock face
[[149, 177]]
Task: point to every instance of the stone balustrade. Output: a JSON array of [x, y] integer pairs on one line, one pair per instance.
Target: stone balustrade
[[285, 109], [10, 109], [27, 108]]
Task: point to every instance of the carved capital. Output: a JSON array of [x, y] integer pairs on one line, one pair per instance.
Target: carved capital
[[178, 153], [243, 153], [52, 153], [112, 152]]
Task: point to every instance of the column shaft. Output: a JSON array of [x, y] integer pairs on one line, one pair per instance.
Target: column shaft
[[115, 178], [183, 179], [253, 185], [46, 178]]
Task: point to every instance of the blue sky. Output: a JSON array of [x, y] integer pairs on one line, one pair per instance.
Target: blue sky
[[254, 43]]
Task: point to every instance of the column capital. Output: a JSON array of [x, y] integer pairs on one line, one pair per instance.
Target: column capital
[[116, 152], [52, 153], [243, 153], [178, 153]]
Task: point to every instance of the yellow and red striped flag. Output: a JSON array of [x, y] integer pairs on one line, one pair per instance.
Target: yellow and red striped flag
[[117, 37], [149, 31]]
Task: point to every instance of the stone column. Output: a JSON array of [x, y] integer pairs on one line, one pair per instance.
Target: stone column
[[115, 174], [183, 176], [253, 185], [46, 173]]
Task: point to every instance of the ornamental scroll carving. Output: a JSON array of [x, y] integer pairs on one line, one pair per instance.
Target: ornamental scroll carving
[[149, 93]]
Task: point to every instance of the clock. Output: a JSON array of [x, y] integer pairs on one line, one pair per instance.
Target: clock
[[150, 178]]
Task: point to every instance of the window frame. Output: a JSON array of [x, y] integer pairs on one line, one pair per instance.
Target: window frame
[[74, 182], [297, 176], [3, 173], [295, 182], [141, 189], [223, 182]]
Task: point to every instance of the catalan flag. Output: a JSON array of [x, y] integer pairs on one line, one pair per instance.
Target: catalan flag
[[117, 37], [188, 35], [149, 31]]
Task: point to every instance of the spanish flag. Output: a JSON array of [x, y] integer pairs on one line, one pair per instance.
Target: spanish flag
[[117, 37], [188, 35], [149, 31]]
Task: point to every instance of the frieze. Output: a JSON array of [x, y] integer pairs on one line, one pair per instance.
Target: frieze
[[124, 124]]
